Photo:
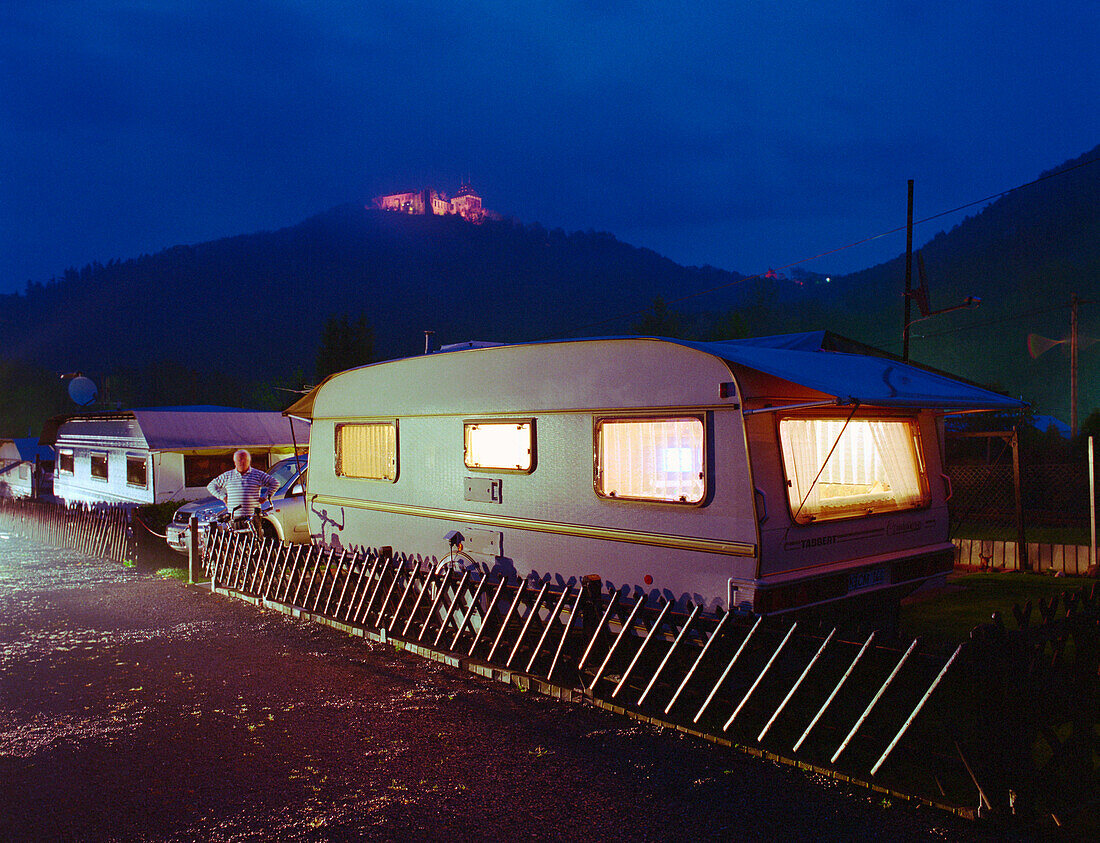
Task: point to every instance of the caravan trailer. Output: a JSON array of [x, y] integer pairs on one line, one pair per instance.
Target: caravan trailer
[[158, 454], [762, 475]]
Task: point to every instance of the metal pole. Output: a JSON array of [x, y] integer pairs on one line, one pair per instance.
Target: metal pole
[[916, 711], [835, 690], [1092, 505], [460, 590], [193, 555], [698, 659], [726, 672], [1023, 563], [1073, 367], [790, 693], [760, 678], [908, 275], [554, 615], [668, 655]]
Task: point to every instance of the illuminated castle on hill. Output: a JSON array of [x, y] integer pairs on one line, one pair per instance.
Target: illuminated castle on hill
[[465, 204]]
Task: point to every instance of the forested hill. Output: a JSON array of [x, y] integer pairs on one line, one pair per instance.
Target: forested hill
[[207, 323], [256, 304], [1025, 255]]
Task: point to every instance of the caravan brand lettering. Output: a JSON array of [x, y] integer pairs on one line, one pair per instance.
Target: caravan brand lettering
[[818, 541]]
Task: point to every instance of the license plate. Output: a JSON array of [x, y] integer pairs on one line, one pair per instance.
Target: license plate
[[866, 579]]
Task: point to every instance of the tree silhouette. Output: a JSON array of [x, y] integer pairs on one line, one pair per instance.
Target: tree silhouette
[[344, 345]]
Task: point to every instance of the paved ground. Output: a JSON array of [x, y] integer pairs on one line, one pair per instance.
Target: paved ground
[[132, 707]]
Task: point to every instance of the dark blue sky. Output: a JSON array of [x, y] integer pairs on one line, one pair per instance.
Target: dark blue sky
[[744, 135]]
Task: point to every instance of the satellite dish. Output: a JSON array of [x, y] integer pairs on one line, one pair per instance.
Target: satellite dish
[[83, 391]]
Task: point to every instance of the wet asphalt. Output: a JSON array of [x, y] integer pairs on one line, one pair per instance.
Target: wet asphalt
[[133, 707]]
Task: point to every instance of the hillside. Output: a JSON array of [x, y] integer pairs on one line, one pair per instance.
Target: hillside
[[232, 321], [255, 304], [1025, 255]]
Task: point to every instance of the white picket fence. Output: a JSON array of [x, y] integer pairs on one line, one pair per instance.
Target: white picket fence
[[1002, 555]]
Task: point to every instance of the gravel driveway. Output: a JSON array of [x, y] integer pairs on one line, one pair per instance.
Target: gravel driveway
[[133, 707]]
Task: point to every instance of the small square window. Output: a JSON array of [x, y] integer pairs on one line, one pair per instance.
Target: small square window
[[137, 472], [98, 466], [66, 463], [503, 446]]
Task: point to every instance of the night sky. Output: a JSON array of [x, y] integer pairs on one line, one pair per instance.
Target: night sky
[[742, 135]]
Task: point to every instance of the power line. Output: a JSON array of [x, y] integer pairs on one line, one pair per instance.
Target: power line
[[853, 244], [987, 323]]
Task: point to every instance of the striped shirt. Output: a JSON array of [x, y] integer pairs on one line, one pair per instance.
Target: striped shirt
[[242, 492]]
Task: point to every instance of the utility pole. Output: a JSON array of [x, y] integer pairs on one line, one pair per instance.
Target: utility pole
[[908, 275], [1073, 367]]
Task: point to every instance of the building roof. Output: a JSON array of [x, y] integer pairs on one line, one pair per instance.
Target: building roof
[[28, 448], [191, 428]]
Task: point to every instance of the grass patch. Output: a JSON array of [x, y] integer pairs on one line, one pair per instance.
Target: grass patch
[[944, 619], [173, 573]]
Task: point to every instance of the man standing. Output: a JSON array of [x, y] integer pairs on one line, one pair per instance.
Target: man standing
[[242, 487]]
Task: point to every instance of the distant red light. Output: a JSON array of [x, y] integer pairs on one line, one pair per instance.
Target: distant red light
[[648, 580]]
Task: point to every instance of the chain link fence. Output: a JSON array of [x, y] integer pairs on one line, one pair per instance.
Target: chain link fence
[[1052, 495]]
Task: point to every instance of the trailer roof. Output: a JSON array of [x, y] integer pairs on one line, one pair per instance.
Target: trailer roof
[[188, 428], [819, 360]]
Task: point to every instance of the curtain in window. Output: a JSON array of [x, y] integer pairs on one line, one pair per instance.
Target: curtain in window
[[835, 470], [658, 459], [367, 450], [895, 446], [802, 456]]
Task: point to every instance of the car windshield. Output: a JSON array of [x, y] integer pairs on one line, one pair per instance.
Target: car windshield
[[284, 470]]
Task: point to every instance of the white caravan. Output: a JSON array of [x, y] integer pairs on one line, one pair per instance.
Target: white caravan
[[160, 454], [763, 475]]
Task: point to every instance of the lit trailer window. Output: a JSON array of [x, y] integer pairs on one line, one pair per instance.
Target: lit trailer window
[[502, 445], [848, 467], [651, 459]]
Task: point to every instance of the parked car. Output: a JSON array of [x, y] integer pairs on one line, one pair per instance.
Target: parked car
[[282, 518]]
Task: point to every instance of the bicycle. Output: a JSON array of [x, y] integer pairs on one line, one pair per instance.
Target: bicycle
[[239, 524]]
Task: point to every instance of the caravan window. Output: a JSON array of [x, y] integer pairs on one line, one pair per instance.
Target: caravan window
[[66, 464], [98, 466], [650, 459], [503, 445], [843, 468], [136, 472], [367, 450]]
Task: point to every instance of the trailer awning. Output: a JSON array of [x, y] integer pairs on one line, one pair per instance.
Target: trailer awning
[[810, 360]]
